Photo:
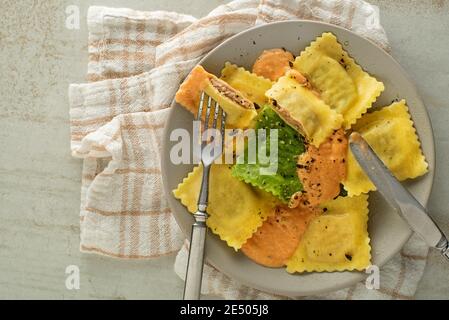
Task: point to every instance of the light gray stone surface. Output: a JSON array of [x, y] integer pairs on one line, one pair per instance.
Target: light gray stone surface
[[40, 181]]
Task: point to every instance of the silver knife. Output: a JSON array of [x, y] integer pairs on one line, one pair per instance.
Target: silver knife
[[397, 195]]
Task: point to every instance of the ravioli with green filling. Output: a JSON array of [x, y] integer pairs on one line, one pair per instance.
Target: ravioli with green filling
[[341, 82]]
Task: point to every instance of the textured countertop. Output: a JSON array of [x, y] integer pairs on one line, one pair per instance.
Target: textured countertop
[[40, 181]]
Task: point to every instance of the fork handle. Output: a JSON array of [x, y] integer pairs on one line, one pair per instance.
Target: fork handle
[[194, 274]]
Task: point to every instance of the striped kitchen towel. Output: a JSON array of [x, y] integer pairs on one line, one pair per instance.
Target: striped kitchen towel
[[136, 62]]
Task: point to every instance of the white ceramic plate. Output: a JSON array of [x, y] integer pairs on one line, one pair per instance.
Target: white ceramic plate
[[388, 232]]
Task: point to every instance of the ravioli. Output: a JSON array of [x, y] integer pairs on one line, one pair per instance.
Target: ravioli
[[303, 110], [342, 83], [391, 134], [236, 209], [250, 84], [336, 240], [239, 110]]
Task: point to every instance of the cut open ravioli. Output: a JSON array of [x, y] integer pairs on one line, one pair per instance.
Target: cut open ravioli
[[239, 110], [303, 110], [236, 209], [391, 134], [250, 84], [342, 83], [337, 240]]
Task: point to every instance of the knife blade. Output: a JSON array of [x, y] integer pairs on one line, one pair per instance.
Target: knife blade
[[397, 195]]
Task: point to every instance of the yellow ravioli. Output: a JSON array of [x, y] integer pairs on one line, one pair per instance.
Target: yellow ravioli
[[236, 209], [391, 134], [337, 240], [303, 110], [250, 84], [342, 83]]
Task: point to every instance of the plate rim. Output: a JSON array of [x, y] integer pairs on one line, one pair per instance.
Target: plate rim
[[426, 194]]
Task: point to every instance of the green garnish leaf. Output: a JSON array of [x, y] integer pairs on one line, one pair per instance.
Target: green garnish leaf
[[285, 182]]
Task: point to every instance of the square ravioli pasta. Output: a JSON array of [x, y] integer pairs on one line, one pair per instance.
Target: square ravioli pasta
[[336, 240], [236, 210], [391, 134], [341, 82]]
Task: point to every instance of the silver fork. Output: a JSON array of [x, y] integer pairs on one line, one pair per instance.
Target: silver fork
[[194, 273]]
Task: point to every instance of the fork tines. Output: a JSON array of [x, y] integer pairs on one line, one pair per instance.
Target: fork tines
[[218, 111]]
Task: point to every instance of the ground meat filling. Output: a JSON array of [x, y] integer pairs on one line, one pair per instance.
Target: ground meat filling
[[230, 93], [285, 115]]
